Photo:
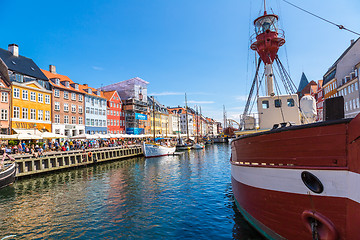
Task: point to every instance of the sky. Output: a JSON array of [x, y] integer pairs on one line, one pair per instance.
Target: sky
[[198, 47]]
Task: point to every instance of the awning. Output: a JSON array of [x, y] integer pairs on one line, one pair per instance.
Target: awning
[[28, 131]]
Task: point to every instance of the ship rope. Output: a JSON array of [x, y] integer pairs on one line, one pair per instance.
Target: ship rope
[[248, 102], [341, 27], [278, 95], [288, 83]]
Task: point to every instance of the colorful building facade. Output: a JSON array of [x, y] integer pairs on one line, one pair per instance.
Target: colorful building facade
[[68, 114], [31, 107], [114, 110], [95, 110]]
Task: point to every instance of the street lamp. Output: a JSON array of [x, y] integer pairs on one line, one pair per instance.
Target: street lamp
[[34, 128]]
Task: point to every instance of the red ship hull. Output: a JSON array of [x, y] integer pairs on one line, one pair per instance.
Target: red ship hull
[[269, 191]]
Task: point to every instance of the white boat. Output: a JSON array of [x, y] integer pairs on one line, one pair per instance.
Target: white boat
[[155, 150], [198, 146]]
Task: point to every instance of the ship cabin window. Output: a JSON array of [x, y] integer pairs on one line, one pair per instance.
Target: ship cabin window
[[277, 103], [290, 102], [265, 104]]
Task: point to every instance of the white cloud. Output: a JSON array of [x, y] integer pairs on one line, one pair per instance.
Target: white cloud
[[166, 94], [97, 68], [242, 98], [201, 102]]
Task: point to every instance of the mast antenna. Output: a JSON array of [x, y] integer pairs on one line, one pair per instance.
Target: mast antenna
[[264, 7]]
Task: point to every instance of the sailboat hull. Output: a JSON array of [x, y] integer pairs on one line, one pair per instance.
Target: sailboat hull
[[154, 150], [270, 189]]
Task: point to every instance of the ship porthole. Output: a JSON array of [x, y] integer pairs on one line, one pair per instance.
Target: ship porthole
[[312, 182]]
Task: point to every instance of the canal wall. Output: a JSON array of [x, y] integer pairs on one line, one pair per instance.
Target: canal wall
[[27, 165]]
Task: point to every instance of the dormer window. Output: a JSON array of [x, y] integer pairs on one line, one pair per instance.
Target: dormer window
[[89, 90], [57, 81], [77, 86], [67, 84], [98, 93]]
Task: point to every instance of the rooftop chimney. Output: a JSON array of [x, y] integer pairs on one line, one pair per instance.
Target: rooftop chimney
[[52, 68], [352, 41], [85, 84], [14, 49]]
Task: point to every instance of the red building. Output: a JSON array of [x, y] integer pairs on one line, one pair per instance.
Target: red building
[[115, 115]]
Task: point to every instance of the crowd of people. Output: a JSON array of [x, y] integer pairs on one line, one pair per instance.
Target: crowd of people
[[38, 148]]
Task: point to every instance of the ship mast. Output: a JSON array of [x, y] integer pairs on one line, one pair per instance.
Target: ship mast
[[268, 41], [187, 124]]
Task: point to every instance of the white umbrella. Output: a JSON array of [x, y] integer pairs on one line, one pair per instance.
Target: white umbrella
[[49, 135], [84, 136], [24, 136]]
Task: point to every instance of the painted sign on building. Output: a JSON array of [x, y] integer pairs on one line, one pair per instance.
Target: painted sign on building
[[140, 116]]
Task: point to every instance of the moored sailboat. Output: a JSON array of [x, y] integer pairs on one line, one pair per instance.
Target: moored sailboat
[[293, 181], [153, 149]]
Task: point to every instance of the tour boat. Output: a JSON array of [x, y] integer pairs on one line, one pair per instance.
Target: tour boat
[[156, 150], [292, 179], [7, 171]]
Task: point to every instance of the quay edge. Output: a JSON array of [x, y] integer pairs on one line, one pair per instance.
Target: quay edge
[[28, 165]]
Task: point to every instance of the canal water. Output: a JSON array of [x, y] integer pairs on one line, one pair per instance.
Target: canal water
[[173, 197]]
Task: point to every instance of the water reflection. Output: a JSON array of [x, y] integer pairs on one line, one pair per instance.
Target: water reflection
[[174, 197]]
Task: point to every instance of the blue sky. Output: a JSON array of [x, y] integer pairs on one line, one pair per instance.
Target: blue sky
[[199, 47]]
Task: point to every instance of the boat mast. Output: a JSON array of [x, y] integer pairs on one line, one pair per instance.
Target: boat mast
[[153, 108], [200, 123], [187, 125]]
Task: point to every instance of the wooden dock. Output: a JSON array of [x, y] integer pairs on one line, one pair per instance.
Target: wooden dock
[[28, 165]]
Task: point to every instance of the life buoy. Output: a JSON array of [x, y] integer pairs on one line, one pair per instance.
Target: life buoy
[[324, 227], [90, 154]]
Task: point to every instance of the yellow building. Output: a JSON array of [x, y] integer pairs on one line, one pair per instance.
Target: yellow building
[[31, 107]]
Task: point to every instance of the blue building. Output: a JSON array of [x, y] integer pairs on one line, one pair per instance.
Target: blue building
[[95, 110]]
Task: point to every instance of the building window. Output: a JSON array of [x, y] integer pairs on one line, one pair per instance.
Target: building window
[[40, 97], [66, 95], [73, 108], [73, 96], [40, 115], [265, 104], [96, 122], [57, 118], [108, 122], [92, 122], [66, 119], [16, 93], [57, 93], [80, 120], [25, 113], [77, 86], [25, 95], [290, 102], [88, 122], [104, 122], [87, 110], [16, 112], [67, 84], [47, 115], [4, 114], [66, 107], [47, 99], [277, 103], [80, 109], [96, 111], [4, 97], [104, 112], [33, 114], [33, 96], [19, 77], [80, 98], [73, 120], [92, 111], [57, 106]]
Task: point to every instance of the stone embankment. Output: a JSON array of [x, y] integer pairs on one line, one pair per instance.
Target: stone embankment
[[52, 161]]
